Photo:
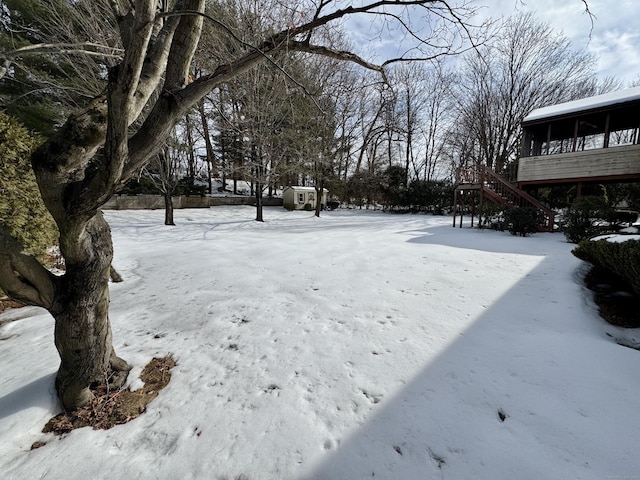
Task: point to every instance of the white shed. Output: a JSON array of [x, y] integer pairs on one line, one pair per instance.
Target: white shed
[[302, 198]]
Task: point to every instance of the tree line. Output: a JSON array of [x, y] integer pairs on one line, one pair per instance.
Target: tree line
[[305, 119]]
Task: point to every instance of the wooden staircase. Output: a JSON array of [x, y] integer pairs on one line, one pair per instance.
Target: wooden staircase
[[498, 190]]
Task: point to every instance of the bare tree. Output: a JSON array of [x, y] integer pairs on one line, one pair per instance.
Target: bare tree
[[528, 66], [117, 133], [438, 116], [208, 142], [416, 92], [164, 172]]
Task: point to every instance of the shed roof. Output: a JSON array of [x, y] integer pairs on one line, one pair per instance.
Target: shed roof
[[584, 104], [298, 188]]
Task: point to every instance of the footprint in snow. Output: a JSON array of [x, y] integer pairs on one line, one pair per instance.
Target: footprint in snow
[[372, 397]]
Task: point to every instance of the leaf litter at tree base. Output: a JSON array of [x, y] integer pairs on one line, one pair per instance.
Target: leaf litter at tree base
[[111, 408]]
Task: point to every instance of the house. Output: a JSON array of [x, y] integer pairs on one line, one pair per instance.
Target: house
[[303, 198], [592, 140]]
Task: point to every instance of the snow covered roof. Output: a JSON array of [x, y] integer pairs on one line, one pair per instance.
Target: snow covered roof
[[584, 104], [298, 188]]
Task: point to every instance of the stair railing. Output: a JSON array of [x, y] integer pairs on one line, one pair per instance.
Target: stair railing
[[492, 182]]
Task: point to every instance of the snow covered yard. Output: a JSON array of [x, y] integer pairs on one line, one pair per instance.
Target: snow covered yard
[[356, 345]]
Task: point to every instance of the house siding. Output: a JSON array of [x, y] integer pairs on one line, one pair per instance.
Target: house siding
[[623, 162]]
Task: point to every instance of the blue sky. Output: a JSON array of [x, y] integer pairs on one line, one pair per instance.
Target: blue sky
[[614, 37], [612, 33]]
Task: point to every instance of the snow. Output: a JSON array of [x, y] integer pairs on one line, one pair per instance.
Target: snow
[[350, 346], [304, 189], [616, 238], [590, 103]]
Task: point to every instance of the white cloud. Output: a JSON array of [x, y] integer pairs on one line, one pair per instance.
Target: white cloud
[[612, 33]]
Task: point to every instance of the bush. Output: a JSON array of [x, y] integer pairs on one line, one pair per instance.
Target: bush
[[187, 186], [22, 210], [624, 217], [490, 215], [585, 217], [429, 196], [521, 220], [140, 186], [620, 258]]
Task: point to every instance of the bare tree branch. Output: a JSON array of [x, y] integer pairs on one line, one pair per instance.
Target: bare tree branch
[[87, 49], [22, 277]]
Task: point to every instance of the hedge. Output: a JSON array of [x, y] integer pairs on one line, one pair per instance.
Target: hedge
[[619, 258]]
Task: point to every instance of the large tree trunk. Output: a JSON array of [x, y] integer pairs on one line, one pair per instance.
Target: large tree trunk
[[80, 310]]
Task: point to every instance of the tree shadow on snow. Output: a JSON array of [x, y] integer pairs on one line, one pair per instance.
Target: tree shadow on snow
[[511, 397], [484, 240], [36, 394]]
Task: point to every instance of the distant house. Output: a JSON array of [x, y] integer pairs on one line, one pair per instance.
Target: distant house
[[302, 198]]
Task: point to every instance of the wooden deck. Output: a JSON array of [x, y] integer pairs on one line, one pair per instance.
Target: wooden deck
[[607, 164], [595, 139]]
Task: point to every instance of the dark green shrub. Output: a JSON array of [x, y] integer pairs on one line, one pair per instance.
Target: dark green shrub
[[585, 217], [521, 220], [394, 188], [308, 207], [140, 186], [187, 186], [619, 258], [22, 210], [624, 217], [429, 196]]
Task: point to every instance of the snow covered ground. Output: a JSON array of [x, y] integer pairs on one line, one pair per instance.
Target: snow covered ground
[[356, 345]]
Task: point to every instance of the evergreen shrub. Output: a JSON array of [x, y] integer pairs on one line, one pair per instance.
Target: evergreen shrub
[[22, 210], [521, 220], [491, 215], [620, 258], [585, 217]]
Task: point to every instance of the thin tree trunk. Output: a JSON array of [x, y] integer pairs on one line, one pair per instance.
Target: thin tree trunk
[[258, 186], [319, 190], [207, 143], [191, 164], [168, 209], [259, 217]]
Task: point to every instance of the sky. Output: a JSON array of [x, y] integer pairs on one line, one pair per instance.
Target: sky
[[611, 32], [614, 36], [356, 345]]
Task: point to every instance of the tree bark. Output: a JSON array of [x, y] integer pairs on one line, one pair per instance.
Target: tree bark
[[258, 190], [259, 217], [207, 143], [319, 192], [168, 208], [82, 326]]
